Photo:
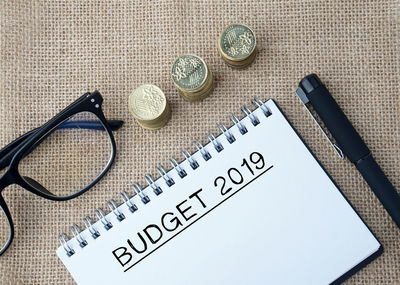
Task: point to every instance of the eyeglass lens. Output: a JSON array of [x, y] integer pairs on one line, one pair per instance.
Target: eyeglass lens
[[69, 157], [5, 230]]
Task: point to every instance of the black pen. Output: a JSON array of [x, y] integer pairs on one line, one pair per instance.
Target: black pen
[[312, 91]]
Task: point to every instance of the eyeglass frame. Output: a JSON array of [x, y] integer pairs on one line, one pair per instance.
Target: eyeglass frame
[[89, 102]]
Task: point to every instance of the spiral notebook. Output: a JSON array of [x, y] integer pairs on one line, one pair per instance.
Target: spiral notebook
[[253, 206]]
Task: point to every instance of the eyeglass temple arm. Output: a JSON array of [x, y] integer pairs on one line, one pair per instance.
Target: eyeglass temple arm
[[91, 125], [8, 152]]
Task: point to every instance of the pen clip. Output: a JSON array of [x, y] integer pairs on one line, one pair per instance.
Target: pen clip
[[304, 100]]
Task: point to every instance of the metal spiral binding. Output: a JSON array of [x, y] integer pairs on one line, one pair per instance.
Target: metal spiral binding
[[88, 222], [65, 245], [228, 134], [114, 208], [154, 184], [165, 175], [193, 163], [76, 231], [181, 172], [156, 189], [260, 104], [102, 217], [242, 128], [139, 191], [217, 145], [204, 152], [127, 200], [246, 111]]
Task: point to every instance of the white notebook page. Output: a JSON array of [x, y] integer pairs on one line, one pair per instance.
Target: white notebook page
[[283, 222]]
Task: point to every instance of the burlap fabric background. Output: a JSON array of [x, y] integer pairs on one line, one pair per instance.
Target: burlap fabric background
[[54, 51]]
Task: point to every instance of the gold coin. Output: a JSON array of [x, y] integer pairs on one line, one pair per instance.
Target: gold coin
[[205, 85], [201, 94], [242, 64], [157, 124], [147, 102], [189, 72], [237, 42], [149, 106]]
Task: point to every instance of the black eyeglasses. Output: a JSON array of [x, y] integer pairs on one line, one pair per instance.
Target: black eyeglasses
[[61, 159]]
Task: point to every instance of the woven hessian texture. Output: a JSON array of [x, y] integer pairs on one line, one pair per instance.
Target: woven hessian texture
[[54, 51]]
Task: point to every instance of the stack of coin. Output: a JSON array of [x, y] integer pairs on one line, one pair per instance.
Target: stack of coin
[[237, 45], [192, 77], [149, 107]]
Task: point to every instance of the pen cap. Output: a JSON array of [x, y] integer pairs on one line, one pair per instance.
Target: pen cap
[[334, 119]]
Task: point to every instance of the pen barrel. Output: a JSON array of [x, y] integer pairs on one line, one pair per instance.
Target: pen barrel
[[381, 186], [337, 123]]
